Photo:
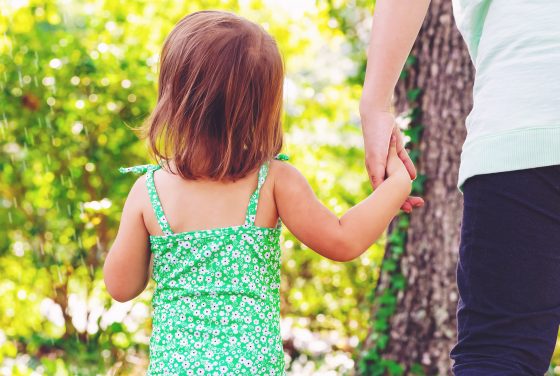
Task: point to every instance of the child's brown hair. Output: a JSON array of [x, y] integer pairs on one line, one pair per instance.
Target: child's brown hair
[[220, 97]]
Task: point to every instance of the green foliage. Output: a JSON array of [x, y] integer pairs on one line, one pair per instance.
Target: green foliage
[[372, 361], [74, 78]]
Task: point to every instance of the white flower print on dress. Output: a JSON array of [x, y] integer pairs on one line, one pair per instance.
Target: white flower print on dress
[[205, 301]]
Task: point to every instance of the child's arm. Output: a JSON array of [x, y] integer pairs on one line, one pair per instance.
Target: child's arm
[[127, 267], [348, 237]]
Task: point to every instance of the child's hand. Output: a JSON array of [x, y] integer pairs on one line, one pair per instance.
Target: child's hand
[[395, 165]]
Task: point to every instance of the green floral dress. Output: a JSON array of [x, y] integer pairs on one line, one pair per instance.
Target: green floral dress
[[216, 305]]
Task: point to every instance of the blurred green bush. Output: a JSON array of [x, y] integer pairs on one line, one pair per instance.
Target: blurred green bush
[[74, 75]]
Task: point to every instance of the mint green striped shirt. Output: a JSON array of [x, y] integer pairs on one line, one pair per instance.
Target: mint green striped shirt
[[515, 120]]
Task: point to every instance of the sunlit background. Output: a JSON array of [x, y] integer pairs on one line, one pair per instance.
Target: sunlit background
[[74, 77]]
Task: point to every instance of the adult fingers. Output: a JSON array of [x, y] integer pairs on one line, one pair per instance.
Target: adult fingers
[[405, 158], [376, 169], [377, 128]]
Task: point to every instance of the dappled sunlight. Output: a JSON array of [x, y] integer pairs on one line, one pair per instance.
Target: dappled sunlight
[[75, 77]]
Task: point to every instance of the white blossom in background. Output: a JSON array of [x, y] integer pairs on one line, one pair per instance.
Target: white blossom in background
[[320, 354]]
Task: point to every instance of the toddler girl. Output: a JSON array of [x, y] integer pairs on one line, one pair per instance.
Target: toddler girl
[[205, 221]]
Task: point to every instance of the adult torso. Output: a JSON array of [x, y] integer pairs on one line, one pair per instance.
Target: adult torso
[[515, 47]]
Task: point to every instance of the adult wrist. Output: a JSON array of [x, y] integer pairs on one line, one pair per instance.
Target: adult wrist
[[368, 107], [374, 100]]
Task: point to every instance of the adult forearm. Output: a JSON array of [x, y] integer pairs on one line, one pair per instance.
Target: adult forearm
[[395, 26]]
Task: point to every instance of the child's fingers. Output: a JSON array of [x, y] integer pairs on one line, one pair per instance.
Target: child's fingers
[[403, 155], [406, 207], [416, 202], [393, 145], [411, 203]]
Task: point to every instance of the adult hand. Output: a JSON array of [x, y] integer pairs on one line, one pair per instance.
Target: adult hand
[[378, 126]]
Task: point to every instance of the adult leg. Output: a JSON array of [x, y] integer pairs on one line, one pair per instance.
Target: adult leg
[[508, 273]]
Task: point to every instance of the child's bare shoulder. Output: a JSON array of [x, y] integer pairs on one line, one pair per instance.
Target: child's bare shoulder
[[282, 169], [138, 193], [286, 175]]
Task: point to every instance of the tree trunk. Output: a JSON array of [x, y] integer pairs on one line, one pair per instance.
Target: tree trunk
[[423, 328]]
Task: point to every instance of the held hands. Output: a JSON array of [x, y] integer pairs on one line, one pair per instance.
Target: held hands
[[385, 152], [394, 165]]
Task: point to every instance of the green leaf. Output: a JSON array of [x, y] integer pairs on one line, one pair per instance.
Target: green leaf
[[399, 282], [414, 133], [389, 265], [382, 342], [410, 60], [412, 94], [397, 250], [418, 184], [417, 369], [394, 368]]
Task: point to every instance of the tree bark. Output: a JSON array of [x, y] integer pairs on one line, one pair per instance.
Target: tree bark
[[423, 330]]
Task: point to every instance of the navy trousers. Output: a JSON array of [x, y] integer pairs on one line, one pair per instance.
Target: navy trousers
[[508, 274]]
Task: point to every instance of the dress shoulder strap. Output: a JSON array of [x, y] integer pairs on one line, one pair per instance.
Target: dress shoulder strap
[[282, 157], [254, 200], [154, 198], [140, 169]]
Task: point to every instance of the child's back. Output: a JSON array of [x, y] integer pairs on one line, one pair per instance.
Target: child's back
[[216, 303], [216, 262]]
